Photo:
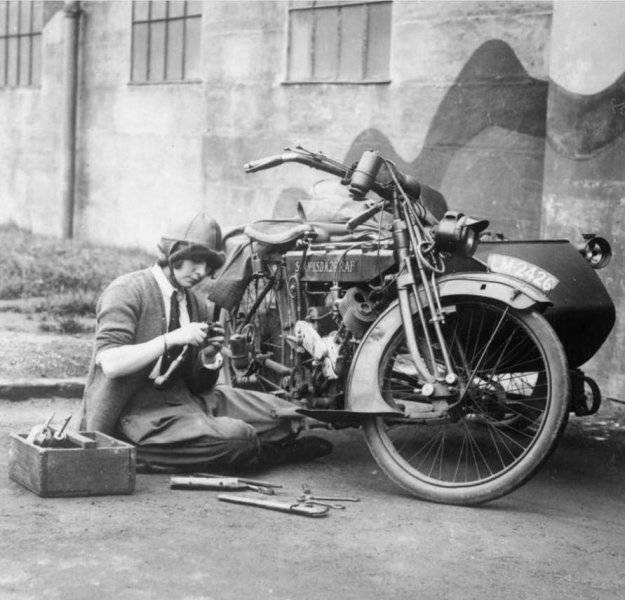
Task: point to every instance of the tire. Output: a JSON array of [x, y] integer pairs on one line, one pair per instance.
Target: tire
[[508, 416], [264, 335]]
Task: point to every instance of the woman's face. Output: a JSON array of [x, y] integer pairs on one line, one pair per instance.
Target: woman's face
[[190, 272]]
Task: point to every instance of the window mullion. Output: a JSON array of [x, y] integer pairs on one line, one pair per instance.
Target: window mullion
[[166, 41], [183, 54], [365, 43], [18, 70], [31, 26], [339, 37], [6, 44], [149, 44], [313, 42]]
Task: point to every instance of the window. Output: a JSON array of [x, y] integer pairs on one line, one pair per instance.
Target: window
[[346, 42], [166, 40], [20, 43]]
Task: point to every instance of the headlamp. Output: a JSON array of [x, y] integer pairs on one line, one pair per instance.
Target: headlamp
[[458, 234]]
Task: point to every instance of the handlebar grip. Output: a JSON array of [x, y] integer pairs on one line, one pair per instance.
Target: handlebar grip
[[364, 216], [267, 162]]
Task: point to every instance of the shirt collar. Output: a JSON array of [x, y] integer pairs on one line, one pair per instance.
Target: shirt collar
[[163, 283]]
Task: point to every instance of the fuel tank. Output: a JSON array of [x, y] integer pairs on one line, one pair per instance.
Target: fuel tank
[[342, 262], [582, 313]]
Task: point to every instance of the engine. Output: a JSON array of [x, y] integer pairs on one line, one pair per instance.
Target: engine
[[328, 336]]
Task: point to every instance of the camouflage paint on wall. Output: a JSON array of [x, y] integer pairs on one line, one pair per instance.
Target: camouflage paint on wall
[[485, 145]]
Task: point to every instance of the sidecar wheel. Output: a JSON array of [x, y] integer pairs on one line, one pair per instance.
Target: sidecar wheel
[[509, 411]]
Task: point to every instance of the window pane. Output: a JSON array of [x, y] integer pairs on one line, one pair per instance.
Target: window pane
[[13, 14], [141, 10], [139, 52], [159, 8], [300, 47], [2, 62], [379, 41], [353, 24], [176, 8], [192, 49], [325, 62], [24, 61], [194, 7], [37, 16], [157, 52], [25, 8], [12, 62], [36, 60], [174, 50], [3, 18]]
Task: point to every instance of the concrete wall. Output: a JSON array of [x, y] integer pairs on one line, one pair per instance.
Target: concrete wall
[[585, 156], [31, 138], [464, 112], [139, 152]]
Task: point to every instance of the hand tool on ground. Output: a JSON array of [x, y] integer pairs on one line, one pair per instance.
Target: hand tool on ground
[[216, 483], [309, 499], [243, 479], [296, 508]]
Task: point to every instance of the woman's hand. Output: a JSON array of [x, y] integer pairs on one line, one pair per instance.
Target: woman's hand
[[193, 333]]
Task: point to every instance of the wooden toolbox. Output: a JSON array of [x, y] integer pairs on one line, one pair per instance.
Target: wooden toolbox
[[89, 464]]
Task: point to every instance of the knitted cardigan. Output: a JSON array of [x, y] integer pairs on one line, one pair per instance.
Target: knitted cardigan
[[131, 311]]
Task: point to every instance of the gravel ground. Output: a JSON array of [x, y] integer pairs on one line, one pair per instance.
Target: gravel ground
[[26, 351]]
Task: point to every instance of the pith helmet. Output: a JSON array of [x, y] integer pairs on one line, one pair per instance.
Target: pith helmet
[[198, 239]]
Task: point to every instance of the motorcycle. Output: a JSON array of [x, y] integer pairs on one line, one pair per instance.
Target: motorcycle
[[453, 352]]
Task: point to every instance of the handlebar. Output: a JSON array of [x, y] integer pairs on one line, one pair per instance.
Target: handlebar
[[323, 163], [316, 161]]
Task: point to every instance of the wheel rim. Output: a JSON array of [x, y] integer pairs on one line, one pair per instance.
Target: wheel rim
[[500, 408]]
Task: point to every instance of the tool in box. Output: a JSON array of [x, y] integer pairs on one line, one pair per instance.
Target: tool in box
[[46, 436]]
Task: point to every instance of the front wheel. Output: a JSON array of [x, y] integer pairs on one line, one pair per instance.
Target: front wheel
[[507, 413]]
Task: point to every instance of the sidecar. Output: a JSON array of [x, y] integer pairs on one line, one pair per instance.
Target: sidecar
[[582, 313]]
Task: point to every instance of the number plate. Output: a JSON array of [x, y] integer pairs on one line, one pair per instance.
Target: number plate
[[521, 269]]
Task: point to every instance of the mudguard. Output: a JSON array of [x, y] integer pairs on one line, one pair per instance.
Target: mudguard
[[362, 393]]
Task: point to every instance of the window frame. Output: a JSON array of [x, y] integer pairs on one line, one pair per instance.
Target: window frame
[[29, 33], [312, 7], [184, 18]]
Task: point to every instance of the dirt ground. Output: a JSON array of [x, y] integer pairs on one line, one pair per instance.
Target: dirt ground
[[560, 536]]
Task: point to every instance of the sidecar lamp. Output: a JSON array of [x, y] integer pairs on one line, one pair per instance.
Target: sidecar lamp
[[596, 250], [458, 234]]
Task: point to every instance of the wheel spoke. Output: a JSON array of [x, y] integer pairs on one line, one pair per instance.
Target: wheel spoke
[[504, 396]]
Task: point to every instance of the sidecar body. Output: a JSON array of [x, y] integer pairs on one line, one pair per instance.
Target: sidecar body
[[582, 313]]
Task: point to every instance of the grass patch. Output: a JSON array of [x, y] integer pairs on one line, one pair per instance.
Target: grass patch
[[65, 276]]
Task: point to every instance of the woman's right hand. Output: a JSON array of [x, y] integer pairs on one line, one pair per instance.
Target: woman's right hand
[[192, 333]]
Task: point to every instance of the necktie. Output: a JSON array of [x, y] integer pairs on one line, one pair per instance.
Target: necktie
[[174, 323]]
